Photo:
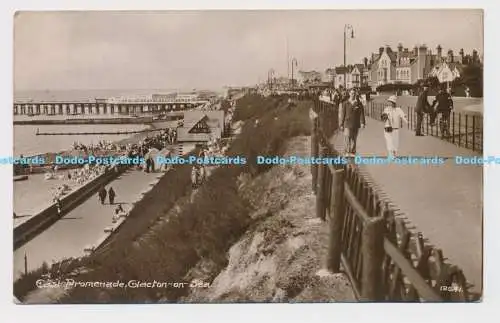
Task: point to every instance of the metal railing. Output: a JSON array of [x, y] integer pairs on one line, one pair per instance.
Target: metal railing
[[464, 130]]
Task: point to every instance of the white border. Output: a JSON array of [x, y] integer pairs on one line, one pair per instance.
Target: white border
[[288, 313]]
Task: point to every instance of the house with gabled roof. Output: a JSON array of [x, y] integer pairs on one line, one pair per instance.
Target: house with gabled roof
[[342, 76], [447, 72], [407, 67], [401, 66], [201, 126], [359, 75]]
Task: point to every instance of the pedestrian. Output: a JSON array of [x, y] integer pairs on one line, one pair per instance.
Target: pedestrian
[[422, 107], [118, 213], [102, 194], [58, 205], [393, 117], [351, 118], [444, 103], [112, 195], [194, 177], [336, 98]]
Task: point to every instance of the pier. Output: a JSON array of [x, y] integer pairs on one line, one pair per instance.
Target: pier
[[141, 106]]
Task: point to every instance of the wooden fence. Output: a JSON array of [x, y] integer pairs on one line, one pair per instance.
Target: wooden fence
[[383, 258]]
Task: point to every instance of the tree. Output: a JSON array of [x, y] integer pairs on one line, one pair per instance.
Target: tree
[[433, 82], [472, 77]]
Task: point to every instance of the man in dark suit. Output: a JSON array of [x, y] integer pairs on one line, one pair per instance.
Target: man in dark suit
[[351, 118], [422, 107], [444, 103]]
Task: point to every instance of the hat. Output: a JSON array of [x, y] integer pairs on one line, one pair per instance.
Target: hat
[[392, 99]]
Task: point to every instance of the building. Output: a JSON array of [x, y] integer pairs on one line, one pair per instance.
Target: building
[[187, 97], [342, 77], [446, 72], [329, 75], [407, 67], [280, 83], [359, 75], [201, 126], [401, 66], [449, 68], [308, 77]]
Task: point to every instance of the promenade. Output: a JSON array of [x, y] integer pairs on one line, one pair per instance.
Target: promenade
[[34, 195], [444, 202], [84, 225], [461, 104]]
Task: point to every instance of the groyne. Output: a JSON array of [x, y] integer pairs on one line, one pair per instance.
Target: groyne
[[132, 132]]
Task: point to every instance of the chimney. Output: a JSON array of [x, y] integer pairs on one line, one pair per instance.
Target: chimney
[[450, 56], [439, 53], [400, 51], [380, 50], [422, 62]]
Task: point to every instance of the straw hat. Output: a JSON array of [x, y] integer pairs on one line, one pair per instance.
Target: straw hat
[[392, 99]]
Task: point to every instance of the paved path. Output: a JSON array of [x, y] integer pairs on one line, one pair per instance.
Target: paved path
[[460, 103], [83, 226], [444, 201], [35, 195]]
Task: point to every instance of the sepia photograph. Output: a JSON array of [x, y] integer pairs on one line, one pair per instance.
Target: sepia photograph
[[248, 156]]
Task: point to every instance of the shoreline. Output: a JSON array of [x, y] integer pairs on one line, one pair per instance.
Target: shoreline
[[132, 139]]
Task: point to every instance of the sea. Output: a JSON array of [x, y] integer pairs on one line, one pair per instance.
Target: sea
[[27, 143]]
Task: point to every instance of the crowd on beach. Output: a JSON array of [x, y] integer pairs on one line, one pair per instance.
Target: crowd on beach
[[102, 145], [78, 177]]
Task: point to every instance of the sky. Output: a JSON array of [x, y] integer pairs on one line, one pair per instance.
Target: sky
[[211, 49]]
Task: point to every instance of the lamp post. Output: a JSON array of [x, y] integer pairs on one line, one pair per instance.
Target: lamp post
[[347, 28], [270, 76], [294, 60]]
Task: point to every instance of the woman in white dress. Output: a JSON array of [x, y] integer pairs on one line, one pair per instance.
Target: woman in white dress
[[393, 117]]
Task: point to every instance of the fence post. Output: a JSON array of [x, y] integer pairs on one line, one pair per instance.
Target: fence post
[[373, 256], [474, 132], [453, 126], [336, 222], [466, 131], [320, 194], [459, 129], [25, 264], [426, 120], [314, 153]]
